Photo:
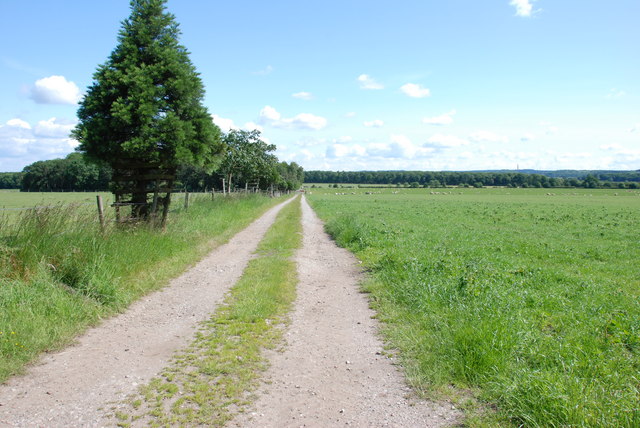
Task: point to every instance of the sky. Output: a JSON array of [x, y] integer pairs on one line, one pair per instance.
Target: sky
[[358, 85]]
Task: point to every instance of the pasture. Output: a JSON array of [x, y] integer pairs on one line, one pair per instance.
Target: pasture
[[520, 300]]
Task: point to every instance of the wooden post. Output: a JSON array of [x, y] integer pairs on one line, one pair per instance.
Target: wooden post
[[246, 187], [100, 212], [154, 206], [117, 208], [213, 194], [165, 209], [186, 200], [224, 189]]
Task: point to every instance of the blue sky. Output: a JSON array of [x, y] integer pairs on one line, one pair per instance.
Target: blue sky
[[358, 85]]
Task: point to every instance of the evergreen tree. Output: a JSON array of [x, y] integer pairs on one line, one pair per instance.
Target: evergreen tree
[[144, 108]]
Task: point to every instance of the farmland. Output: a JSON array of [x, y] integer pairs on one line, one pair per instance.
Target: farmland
[[519, 300]]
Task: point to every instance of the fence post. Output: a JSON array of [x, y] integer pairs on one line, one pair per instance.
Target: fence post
[[186, 200], [100, 212], [213, 194], [224, 190]]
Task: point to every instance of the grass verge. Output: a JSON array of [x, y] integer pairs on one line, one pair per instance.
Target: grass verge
[[525, 300], [59, 274], [211, 379]]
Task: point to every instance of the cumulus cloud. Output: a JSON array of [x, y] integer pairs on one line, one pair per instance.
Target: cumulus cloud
[[414, 90], [488, 137], [17, 123], [440, 141], [250, 126], [635, 128], [270, 116], [374, 123], [527, 137], [55, 90], [342, 150], [443, 119], [350, 114], [22, 144], [224, 124], [523, 7], [53, 128], [368, 82], [303, 96]]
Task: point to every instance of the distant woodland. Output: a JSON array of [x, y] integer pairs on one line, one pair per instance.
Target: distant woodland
[[528, 178]]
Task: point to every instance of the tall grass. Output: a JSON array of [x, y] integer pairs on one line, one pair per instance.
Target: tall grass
[[530, 302], [59, 273]]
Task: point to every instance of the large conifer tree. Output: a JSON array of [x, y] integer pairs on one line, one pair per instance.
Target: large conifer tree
[[144, 108]]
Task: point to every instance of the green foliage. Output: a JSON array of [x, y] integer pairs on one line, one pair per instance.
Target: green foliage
[[10, 180], [146, 101], [530, 178], [527, 299], [59, 274], [72, 173], [248, 159]]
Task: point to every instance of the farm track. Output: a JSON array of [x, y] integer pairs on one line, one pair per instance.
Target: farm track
[[76, 387], [332, 370]]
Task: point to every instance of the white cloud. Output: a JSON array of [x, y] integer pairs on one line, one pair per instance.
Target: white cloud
[[443, 119], [17, 123], [367, 82], [523, 7], [250, 126], [551, 130], [53, 128], [635, 128], [350, 114], [55, 90], [414, 90], [488, 137], [615, 93], [270, 116], [342, 150], [224, 124], [611, 147], [374, 123], [445, 141], [527, 137], [267, 70], [22, 144], [303, 96]]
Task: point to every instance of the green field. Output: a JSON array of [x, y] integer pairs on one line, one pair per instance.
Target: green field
[[520, 300]]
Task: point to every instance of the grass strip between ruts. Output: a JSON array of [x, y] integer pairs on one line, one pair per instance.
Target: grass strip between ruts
[[209, 381]]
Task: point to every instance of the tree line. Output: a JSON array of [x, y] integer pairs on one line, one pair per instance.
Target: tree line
[[247, 161], [470, 179]]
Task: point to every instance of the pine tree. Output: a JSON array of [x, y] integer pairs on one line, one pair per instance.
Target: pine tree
[[143, 114]]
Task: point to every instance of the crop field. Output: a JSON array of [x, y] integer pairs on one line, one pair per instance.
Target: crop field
[[520, 304]]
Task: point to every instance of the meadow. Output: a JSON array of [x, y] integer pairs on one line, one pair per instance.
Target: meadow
[[59, 273], [521, 305]]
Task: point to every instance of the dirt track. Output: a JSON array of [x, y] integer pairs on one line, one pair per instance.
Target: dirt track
[[331, 372]]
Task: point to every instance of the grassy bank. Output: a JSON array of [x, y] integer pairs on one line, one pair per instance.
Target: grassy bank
[[212, 378], [525, 298], [59, 274]]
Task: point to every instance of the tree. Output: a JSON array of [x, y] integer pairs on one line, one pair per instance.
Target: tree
[[143, 114], [248, 159]]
